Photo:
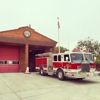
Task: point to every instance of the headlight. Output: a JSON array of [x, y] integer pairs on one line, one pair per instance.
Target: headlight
[[92, 69], [78, 67]]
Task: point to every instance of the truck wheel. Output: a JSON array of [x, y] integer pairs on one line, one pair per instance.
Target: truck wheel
[[41, 71], [60, 75], [80, 78]]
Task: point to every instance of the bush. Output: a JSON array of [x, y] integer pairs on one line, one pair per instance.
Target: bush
[[98, 59]]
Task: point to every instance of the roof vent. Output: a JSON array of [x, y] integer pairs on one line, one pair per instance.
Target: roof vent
[[30, 25]]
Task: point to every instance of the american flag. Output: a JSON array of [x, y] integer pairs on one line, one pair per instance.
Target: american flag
[[58, 23]]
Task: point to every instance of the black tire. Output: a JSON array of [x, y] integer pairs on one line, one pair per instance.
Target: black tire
[[41, 71], [80, 79], [60, 74]]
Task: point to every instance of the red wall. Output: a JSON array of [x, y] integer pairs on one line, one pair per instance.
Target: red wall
[[9, 53]]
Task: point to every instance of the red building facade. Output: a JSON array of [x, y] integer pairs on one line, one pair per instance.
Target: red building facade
[[19, 46]]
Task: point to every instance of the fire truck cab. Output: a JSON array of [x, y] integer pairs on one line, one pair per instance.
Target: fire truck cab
[[77, 65]]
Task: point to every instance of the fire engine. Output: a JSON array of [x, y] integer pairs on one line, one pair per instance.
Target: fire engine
[[77, 65]]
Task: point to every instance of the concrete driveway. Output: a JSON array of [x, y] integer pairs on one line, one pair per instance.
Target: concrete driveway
[[20, 86]]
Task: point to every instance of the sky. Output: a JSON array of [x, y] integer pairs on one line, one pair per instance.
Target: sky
[[79, 19]]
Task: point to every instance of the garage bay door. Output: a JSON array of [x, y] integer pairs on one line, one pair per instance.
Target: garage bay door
[[9, 59]]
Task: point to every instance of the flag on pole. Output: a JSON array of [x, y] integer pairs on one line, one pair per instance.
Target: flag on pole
[[58, 34], [58, 23]]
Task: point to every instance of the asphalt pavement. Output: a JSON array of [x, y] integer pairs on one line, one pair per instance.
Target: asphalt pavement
[[20, 86]]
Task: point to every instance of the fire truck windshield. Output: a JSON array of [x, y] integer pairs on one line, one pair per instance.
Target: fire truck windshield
[[88, 57], [76, 57]]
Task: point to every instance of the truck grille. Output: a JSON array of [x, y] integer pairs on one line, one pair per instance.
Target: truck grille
[[85, 67]]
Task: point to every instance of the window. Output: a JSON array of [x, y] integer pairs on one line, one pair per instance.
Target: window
[[76, 57], [59, 57], [88, 57], [1, 62], [55, 58], [9, 62], [66, 57], [15, 62]]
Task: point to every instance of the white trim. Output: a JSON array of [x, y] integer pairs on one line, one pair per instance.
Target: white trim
[[55, 69], [44, 68], [37, 67]]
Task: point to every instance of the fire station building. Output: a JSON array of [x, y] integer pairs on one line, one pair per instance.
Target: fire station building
[[18, 48]]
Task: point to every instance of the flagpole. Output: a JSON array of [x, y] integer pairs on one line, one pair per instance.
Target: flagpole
[[58, 36]]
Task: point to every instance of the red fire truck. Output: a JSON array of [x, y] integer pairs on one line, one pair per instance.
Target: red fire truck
[[77, 65]]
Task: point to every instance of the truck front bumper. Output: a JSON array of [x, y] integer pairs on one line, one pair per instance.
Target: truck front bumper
[[82, 74]]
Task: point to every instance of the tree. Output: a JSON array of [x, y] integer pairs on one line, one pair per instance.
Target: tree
[[89, 44], [61, 48]]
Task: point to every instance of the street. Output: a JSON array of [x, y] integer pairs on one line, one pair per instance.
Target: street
[[20, 86]]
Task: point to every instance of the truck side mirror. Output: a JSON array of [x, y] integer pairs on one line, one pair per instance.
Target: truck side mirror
[[66, 58], [94, 58]]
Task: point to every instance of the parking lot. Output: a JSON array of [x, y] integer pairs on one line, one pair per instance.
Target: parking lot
[[20, 86]]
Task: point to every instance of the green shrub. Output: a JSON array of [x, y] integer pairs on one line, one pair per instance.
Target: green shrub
[[98, 59]]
